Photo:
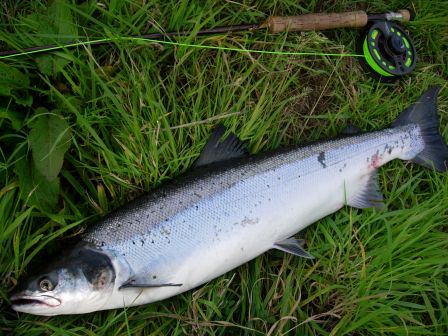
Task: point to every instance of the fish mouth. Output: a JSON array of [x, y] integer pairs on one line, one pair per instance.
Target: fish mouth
[[18, 301]]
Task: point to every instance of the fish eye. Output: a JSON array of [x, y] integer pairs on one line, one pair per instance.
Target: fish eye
[[45, 284]]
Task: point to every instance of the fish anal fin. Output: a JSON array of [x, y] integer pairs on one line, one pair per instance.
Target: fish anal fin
[[369, 195], [218, 151], [293, 246]]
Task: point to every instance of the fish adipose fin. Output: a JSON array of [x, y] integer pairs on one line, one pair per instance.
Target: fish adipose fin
[[369, 195], [424, 114], [217, 151], [132, 283], [351, 130], [293, 246]]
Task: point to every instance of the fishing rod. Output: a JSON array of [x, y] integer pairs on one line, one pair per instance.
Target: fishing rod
[[385, 49]]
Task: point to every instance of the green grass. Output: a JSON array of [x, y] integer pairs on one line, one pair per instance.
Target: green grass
[[140, 114]]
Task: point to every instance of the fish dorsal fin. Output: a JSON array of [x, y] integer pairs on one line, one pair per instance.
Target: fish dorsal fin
[[293, 246], [369, 195], [217, 151]]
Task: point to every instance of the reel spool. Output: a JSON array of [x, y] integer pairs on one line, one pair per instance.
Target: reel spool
[[389, 53]]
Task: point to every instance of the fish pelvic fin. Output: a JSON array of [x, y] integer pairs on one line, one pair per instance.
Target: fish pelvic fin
[[293, 246], [424, 114], [132, 283], [369, 195], [218, 151]]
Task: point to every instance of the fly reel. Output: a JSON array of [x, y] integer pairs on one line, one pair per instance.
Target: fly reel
[[388, 51]]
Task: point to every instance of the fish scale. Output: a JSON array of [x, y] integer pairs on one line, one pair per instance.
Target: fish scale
[[148, 211], [210, 209], [225, 212]]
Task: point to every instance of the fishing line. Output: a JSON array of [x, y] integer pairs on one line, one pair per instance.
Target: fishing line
[[179, 44], [385, 51]]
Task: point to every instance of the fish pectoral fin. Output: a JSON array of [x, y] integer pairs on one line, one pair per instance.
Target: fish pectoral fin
[[369, 195], [293, 246], [217, 151], [132, 283]]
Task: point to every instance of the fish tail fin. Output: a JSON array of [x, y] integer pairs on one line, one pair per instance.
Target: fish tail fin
[[424, 114]]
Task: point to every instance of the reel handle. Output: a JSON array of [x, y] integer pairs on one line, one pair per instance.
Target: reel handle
[[322, 21]]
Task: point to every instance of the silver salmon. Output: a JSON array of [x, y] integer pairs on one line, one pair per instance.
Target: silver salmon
[[228, 210]]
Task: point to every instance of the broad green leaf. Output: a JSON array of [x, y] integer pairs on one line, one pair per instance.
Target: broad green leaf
[[49, 139], [14, 84], [10, 79], [62, 19], [45, 64], [58, 25], [13, 116], [35, 189]]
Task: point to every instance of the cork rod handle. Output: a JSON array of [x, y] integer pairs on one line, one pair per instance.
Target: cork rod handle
[[318, 21]]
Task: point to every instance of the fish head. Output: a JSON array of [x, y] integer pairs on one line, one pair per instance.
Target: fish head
[[78, 284]]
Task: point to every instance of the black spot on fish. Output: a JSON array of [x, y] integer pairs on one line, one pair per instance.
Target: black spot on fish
[[154, 276], [390, 150], [321, 159], [133, 242], [142, 241], [152, 241], [103, 243]]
